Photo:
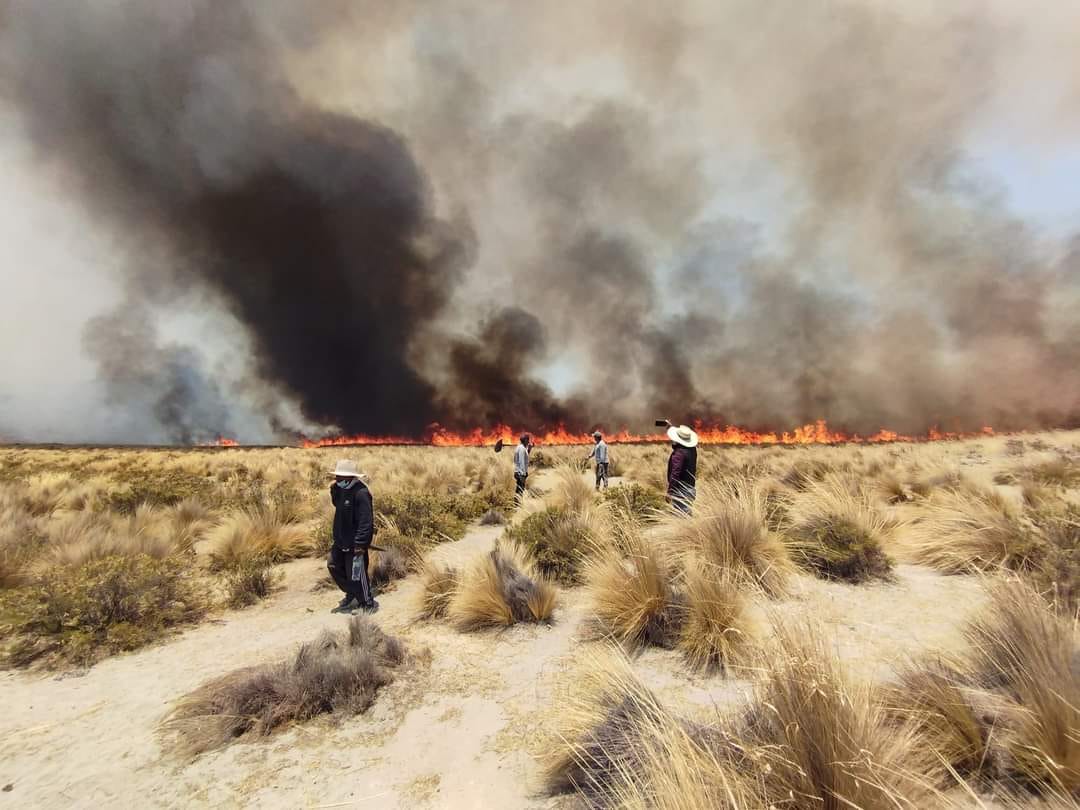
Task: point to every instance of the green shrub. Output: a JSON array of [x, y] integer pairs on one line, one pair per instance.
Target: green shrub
[[635, 501], [106, 605], [556, 538], [248, 581], [426, 517], [837, 547], [158, 488]]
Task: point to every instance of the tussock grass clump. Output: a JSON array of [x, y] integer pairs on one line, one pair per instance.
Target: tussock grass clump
[[571, 491], [21, 539], [728, 530], [389, 565], [838, 535], [824, 741], [1057, 574], [1007, 712], [960, 534], [633, 594], [500, 589], [338, 674], [106, 605], [258, 532], [716, 633], [437, 586], [808, 738], [251, 580]]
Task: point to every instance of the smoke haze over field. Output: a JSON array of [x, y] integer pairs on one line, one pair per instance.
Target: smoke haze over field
[[258, 218]]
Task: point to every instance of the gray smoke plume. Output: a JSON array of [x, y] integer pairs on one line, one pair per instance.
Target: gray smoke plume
[[722, 211]]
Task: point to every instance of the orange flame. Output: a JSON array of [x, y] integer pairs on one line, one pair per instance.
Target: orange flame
[[814, 433], [221, 441]]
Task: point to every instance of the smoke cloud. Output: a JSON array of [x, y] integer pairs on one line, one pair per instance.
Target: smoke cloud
[[719, 211]]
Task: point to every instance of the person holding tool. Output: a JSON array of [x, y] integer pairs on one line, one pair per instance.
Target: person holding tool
[[354, 530], [521, 467], [600, 454], [682, 466]]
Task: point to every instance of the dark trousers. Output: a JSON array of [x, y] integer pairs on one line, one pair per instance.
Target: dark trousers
[[340, 566], [519, 487], [601, 474]]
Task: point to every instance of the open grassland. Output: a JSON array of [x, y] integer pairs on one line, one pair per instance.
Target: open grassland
[[847, 626]]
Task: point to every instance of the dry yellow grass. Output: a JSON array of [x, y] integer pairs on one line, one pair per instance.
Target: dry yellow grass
[[500, 589], [716, 632], [258, 532], [729, 530]]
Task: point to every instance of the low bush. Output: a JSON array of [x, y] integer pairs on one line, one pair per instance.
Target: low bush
[[557, 539], [636, 502], [250, 580], [339, 674], [492, 517], [103, 606], [427, 517], [158, 487]]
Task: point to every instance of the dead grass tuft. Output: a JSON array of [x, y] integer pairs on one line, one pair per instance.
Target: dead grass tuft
[[258, 532], [337, 674], [716, 632], [437, 586]]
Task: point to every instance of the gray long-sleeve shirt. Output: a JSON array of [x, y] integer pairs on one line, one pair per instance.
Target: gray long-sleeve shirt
[[521, 460], [599, 452]]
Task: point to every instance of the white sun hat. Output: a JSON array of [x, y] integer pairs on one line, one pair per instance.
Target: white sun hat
[[347, 469], [683, 435]]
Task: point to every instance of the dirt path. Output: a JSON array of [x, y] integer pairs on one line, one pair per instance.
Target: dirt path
[[458, 733]]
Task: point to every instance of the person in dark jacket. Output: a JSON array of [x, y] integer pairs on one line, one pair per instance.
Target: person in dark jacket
[[354, 529], [682, 468]]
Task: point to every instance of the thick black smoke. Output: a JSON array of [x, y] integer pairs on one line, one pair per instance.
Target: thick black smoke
[[315, 228], [414, 208]]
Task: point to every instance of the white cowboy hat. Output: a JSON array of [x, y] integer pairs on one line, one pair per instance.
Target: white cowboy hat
[[347, 469], [683, 435]]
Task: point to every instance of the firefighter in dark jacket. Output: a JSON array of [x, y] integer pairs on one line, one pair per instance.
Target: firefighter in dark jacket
[[682, 468], [354, 529]]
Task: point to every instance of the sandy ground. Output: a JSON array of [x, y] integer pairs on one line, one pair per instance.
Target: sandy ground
[[460, 731]]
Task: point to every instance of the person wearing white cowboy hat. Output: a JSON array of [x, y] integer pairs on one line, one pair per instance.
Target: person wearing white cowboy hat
[[682, 468], [354, 529]]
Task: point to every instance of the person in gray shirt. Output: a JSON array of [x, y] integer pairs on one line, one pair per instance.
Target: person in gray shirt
[[521, 466], [600, 454]]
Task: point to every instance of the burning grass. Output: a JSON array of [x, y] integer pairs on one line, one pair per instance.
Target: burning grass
[[338, 674]]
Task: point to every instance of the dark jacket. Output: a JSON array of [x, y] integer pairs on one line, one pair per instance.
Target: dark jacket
[[354, 516], [681, 469]]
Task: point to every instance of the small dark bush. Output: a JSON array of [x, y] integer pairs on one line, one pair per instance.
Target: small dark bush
[[247, 582], [556, 539], [388, 565], [338, 674], [493, 517], [836, 547], [84, 613], [635, 501]]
